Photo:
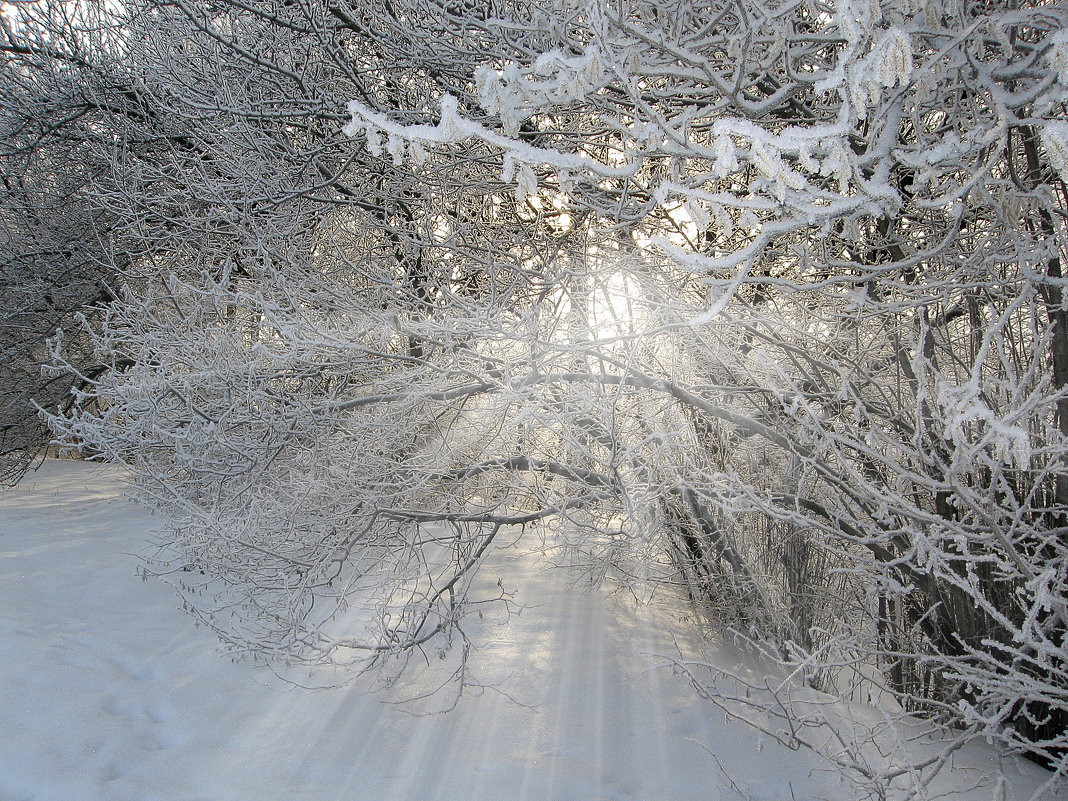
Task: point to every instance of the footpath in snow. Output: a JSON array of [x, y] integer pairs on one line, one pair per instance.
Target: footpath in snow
[[107, 691]]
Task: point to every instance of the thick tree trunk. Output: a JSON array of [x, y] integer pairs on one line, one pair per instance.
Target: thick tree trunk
[[1053, 299]]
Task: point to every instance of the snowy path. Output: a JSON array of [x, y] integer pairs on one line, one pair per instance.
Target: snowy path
[[107, 691]]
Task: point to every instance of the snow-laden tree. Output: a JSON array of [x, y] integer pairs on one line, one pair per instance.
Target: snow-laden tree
[[57, 77], [871, 195], [309, 326], [766, 301]]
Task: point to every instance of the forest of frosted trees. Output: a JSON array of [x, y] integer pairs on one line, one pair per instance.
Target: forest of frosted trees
[[763, 301]]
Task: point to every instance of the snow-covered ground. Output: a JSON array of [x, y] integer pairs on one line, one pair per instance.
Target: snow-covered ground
[[108, 692]]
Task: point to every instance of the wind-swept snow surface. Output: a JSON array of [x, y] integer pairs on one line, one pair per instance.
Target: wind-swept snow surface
[[108, 692]]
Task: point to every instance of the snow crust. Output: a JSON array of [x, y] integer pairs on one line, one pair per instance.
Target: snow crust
[[110, 693]]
